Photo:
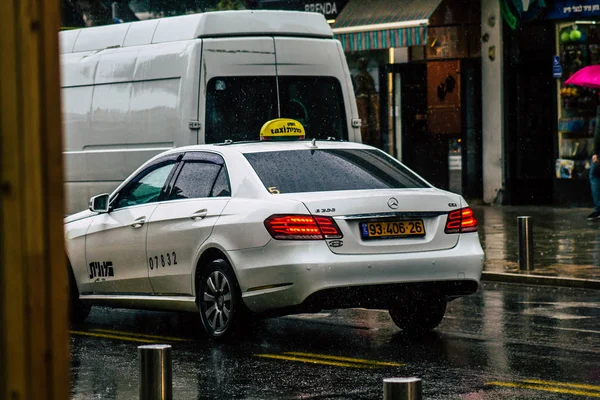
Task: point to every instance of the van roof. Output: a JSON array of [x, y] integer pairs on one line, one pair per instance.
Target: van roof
[[204, 25]]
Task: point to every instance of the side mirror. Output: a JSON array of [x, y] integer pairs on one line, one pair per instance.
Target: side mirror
[[99, 203]]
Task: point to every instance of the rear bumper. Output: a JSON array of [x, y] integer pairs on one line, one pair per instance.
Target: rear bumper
[[286, 277]]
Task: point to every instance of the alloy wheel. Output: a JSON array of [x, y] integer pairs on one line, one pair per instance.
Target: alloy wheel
[[217, 302]]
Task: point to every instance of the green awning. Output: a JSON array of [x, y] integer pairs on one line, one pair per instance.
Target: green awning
[[382, 24]]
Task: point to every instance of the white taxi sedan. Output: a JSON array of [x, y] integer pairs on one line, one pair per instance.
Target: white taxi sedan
[[269, 228]]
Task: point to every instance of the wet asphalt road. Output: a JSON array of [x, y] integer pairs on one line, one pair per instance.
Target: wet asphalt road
[[566, 244], [505, 342]]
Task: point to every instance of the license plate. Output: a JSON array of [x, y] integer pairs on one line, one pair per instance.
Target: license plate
[[392, 229]]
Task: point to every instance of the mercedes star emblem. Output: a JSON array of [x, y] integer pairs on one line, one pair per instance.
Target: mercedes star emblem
[[393, 203]]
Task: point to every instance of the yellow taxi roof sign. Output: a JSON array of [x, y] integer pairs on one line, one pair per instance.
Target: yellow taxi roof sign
[[282, 129]]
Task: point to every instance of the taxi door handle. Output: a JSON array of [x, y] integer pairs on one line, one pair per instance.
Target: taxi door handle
[[138, 223], [200, 214]]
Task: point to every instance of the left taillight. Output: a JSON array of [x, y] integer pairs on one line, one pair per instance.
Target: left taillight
[[461, 221], [302, 227]]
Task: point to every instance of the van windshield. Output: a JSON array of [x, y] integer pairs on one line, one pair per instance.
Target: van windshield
[[237, 107]]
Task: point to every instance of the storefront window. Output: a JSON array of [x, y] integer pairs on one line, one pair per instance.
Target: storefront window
[[578, 45], [364, 69]]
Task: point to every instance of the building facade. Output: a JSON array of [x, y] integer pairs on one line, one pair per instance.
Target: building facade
[[548, 126], [417, 72]]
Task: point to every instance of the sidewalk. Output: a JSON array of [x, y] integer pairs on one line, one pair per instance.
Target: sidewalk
[[566, 245]]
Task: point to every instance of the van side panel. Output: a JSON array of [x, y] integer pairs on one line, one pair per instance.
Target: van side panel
[[318, 57], [121, 107]]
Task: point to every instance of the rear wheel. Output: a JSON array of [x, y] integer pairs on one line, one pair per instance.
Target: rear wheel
[[219, 300], [419, 317], [78, 310]]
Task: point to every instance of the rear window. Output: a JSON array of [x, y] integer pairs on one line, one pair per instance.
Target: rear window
[[297, 171], [237, 107]]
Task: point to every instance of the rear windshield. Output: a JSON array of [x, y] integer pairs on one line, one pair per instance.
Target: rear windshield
[[297, 171], [237, 107]]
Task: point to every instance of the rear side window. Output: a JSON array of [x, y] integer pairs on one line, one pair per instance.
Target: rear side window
[[299, 171], [201, 175]]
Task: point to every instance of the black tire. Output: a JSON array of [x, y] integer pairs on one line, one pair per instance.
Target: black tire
[[78, 310], [219, 300], [418, 317]]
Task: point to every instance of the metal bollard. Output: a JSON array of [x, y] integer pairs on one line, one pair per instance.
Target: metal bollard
[[155, 372], [402, 389], [115, 10], [525, 233]]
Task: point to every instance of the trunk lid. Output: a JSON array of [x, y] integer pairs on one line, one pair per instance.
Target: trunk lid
[[372, 226]]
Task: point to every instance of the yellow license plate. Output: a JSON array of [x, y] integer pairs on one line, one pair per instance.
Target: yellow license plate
[[392, 229]]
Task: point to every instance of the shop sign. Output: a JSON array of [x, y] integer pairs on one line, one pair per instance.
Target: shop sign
[[330, 9], [564, 9], [556, 67], [327, 9]]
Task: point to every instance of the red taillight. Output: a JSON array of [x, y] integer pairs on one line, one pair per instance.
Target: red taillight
[[461, 221], [302, 227]]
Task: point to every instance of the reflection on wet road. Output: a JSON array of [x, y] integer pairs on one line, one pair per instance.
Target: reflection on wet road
[[565, 242], [506, 342]]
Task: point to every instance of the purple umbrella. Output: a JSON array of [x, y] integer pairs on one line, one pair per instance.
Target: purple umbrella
[[586, 77]]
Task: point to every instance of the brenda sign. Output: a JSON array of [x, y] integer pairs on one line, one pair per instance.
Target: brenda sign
[[330, 9]]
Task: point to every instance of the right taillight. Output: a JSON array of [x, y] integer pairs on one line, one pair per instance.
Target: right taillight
[[302, 227], [461, 221]]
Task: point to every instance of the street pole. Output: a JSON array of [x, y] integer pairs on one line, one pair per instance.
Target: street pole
[[34, 327], [525, 234], [402, 389], [155, 372]]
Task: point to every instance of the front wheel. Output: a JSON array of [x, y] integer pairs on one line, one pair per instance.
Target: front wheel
[[420, 317], [219, 300], [78, 310]]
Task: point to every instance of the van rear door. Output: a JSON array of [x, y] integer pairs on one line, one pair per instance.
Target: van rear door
[[314, 73], [238, 86]]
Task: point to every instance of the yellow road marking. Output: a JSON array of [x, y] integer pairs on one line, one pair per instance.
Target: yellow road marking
[[107, 336], [313, 361], [565, 384], [545, 389], [142, 335], [349, 359]]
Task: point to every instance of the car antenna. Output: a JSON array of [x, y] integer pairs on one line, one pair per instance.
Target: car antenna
[[312, 144]]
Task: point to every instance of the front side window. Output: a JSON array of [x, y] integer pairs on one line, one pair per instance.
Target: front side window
[[237, 107], [146, 188], [296, 171]]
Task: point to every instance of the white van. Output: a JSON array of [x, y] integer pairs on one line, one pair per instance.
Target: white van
[[133, 90]]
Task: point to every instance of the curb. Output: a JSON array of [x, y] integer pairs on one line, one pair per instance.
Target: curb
[[540, 280]]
